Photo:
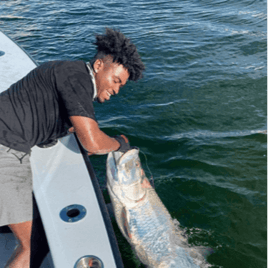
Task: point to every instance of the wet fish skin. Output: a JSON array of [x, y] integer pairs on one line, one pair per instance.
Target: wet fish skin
[[141, 216]]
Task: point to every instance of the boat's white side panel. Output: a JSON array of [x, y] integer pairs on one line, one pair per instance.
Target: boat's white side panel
[[14, 62], [60, 178]]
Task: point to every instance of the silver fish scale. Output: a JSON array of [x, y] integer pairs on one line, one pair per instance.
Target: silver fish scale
[[144, 220], [151, 228]]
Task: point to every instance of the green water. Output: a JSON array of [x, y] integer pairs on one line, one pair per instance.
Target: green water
[[199, 113]]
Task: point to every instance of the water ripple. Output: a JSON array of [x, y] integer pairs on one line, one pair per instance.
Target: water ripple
[[199, 114], [210, 134]]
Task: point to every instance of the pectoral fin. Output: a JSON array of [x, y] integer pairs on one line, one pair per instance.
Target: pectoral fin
[[125, 223]]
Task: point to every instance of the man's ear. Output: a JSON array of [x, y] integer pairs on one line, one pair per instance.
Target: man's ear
[[98, 65]]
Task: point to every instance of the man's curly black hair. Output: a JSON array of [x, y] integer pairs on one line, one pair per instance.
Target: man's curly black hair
[[115, 44]]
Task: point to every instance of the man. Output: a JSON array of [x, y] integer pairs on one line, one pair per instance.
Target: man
[[52, 100]]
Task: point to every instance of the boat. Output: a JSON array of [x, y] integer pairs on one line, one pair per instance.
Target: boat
[[73, 214]]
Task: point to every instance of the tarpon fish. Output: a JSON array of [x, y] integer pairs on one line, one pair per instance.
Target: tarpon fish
[[143, 219]]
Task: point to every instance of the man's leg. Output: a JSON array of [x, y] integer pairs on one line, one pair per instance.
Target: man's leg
[[16, 202], [39, 245], [21, 255]]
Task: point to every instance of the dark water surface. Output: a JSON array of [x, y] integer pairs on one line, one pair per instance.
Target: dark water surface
[[198, 114]]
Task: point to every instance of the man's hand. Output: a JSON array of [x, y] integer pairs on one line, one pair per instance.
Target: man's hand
[[125, 138], [124, 144]]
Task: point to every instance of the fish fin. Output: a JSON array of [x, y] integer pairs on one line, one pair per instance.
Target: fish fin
[[125, 223]]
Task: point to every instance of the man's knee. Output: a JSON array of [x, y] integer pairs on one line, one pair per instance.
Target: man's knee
[[22, 232]]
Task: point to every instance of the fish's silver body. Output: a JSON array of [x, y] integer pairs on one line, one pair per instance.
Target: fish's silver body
[[141, 216]]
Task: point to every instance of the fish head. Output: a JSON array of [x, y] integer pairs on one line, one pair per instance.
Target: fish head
[[125, 174]]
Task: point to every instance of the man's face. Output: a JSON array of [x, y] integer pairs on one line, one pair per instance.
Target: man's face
[[109, 76]]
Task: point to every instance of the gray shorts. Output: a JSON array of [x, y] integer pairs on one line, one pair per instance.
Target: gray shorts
[[15, 187]]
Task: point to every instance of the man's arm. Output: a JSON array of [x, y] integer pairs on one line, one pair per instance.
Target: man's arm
[[91, 137]]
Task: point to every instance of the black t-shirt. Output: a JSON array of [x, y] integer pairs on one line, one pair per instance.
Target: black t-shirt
[[37, 108]]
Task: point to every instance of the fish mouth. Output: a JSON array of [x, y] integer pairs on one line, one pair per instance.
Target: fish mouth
[[123, 176], [120, 158], [128, 155], [116, 159], [116, 156]]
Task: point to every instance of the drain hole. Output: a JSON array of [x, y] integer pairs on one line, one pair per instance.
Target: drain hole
[[72, 213]]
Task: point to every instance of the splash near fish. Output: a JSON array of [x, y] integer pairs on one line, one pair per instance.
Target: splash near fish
[[142, 218]]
